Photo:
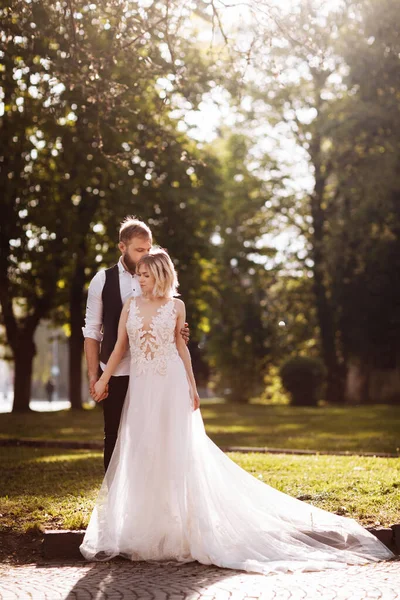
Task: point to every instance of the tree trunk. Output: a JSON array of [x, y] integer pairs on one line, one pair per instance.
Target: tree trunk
[[84, 215], [76, 307], [335, 372], [366, 368], [23, 367]]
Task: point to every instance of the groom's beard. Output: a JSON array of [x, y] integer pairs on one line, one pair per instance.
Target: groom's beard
[[129, 263]]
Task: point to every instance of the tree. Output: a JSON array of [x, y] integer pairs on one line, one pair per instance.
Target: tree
[[297, 93], [87, 91], [341, 107], [365, 240], [239, 337], [30, 255]]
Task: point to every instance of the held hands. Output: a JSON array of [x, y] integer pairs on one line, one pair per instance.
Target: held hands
[[101, 390], [98, 389]]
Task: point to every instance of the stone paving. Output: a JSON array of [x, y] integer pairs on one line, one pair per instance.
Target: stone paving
[[122, 580]]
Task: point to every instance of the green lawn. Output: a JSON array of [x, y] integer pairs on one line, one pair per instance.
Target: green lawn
[[56, 489], [353, 429]]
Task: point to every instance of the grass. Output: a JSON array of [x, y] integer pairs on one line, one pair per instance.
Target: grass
[[56, 489], [44, 488], [53, 489], [353, 429]]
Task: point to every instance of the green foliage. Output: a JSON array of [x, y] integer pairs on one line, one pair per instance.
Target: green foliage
[[274, 392], [365, 234], [302, 377], [291, 305], [239, 340], [332, 80], [87, 137], [91, 131], [294, 96]]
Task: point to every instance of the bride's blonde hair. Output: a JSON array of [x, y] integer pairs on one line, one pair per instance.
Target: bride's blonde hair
[[162, 268]]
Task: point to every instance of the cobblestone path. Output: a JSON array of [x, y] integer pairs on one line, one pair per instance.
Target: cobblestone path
[[122, 580]]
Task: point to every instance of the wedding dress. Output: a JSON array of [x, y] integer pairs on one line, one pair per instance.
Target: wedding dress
[[171, 494]]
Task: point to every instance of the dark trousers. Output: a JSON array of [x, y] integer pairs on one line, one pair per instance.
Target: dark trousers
[[112, 409]]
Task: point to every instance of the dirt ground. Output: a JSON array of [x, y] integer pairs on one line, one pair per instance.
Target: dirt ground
[[20, 548]]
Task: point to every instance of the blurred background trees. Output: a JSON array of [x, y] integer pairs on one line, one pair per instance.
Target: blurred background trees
[[87, 137], [284, 227]]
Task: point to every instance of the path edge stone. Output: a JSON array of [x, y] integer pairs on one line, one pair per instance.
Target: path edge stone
[[62, 543], [65, 543]]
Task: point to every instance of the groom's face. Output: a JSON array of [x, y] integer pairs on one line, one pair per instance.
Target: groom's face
[[133, 250]]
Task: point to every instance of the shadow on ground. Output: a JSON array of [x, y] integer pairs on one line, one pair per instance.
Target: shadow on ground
[[123, 579]]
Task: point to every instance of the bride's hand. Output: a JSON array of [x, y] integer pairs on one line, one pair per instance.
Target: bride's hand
[[196, 400], [100, 389]]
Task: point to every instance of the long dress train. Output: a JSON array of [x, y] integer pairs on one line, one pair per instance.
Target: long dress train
[[171, 494]]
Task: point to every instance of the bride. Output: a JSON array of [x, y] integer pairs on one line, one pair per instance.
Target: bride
[[170, 493]]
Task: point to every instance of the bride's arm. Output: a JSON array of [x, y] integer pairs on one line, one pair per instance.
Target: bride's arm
[[120, 348], [183, 351]]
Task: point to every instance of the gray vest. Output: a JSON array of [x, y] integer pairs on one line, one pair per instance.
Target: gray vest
[[112, 307]]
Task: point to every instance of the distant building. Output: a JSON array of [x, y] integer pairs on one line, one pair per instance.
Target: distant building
[[51, 362]]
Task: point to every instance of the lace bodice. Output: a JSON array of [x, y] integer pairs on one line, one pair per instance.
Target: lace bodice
[[153, 348]]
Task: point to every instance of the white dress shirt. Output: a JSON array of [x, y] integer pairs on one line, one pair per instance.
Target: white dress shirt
[[129, 286]]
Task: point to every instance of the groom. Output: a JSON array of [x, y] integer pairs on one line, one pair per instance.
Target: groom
[[108, 292]]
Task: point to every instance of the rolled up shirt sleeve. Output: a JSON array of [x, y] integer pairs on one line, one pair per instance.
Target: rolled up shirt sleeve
[[94, 308]]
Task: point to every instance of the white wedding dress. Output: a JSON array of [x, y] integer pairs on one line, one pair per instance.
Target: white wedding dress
[[171, 494]]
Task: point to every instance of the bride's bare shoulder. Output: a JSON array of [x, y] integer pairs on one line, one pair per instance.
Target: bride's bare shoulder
[[127, 305], [179, 304]]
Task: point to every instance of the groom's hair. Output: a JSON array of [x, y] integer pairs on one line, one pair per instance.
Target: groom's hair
[[132, 227]]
